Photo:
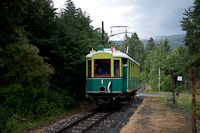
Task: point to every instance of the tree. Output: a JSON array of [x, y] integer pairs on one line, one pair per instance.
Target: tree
[[23, 73], [10, 16], [25, 76], [191, 24], [166, 45], [26, 68], [64, 39], [135, 49], [41, 27], [178, 61], [150, 44], [73, 40], [155, 59]]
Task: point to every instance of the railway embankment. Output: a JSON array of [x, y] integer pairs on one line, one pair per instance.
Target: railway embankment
[[146, 113], [156, 114]]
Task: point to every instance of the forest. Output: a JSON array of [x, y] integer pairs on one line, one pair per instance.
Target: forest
[[42, 58]]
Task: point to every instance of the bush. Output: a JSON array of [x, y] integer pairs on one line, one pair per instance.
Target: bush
[[3, 116], [11, 124], [62, 97], [34, 108], [166, 84]]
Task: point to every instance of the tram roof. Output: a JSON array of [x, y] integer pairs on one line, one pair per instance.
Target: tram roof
[[115, 53]]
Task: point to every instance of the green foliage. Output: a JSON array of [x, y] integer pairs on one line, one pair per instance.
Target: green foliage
[[12, 123], [26, 68], [75, 40], [10, 16], [166, 84], [26, 77], [3, 116], [166, 44], [136, 48], [65, 40], [191, 23], [185, 100], [165, 59], [150, 44], [156, 59], [36, 77], [177, 61], [62, 97]]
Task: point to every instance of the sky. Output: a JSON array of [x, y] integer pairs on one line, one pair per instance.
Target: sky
[[148, 18]]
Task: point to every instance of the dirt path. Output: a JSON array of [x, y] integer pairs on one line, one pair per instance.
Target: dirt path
[[156, 115]]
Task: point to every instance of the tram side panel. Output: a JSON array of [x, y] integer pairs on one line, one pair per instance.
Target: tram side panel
[[132, 76]]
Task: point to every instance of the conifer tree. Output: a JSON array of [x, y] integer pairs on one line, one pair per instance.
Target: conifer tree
[[150, 44], [191, 24], [135, 48]]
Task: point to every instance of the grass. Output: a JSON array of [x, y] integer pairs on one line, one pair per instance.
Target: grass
[[158, 117], [29, 123], [184, 100], [149, 90]]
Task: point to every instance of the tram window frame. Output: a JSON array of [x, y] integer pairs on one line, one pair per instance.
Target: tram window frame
[[129, 71], [133, 71], [103, 75], [117, 75], [89, 68]]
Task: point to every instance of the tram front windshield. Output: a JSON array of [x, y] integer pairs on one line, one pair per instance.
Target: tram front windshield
[[102, 67]]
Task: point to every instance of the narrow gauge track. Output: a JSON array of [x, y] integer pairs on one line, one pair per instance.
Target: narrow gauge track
[[88, 122], [112, 123]]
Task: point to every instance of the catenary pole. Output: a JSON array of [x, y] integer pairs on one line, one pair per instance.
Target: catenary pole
[[102, 33]]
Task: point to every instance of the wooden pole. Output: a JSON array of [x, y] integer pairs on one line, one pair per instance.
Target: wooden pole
[[172, 75], [193, 76]]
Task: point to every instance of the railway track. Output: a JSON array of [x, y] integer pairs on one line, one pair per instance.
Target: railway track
[[105, 120], [86, 123]]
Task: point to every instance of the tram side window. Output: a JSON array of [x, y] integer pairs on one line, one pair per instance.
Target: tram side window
[[102, 67], [89, 68], [116, 68]]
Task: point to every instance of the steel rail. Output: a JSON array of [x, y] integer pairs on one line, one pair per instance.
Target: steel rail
[[76, 122], [97, 122]]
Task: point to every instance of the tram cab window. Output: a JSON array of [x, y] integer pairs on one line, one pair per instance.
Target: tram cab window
[[102, 67], [89, 68], [116, 68]]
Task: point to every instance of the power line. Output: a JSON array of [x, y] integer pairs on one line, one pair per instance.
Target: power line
[[57, 2], [117, 36], [108, 12], [59, 8]]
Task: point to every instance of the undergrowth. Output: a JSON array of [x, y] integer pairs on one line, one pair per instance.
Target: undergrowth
[[17, 125], [185, 100]]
